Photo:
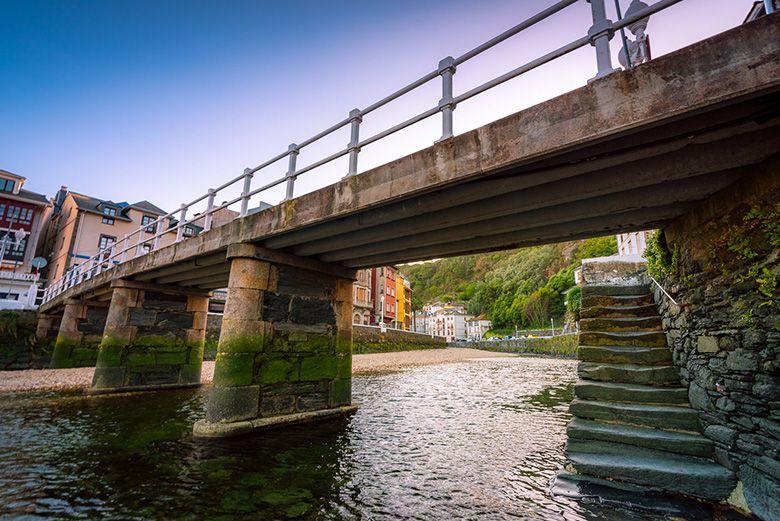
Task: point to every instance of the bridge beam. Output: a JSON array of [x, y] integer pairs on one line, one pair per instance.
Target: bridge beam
[[153, 339], [285, 349], [79, 335]]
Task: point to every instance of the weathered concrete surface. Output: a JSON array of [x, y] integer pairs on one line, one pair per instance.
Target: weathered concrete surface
[[630, 151], [153, 338]]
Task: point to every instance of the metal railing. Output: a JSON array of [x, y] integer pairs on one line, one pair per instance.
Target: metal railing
[[138, 243]]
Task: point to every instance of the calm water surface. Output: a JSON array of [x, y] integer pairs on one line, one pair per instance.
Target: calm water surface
[[473, 440]]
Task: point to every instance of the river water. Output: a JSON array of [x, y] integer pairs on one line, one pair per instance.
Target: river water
[[474, 440]]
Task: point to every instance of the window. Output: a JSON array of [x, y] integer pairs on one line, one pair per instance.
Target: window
[[106, 241], [146, 248], [14, 251], [148, 219], [9, 296], [2, 210], [108, 215], [189, 231], [6, 185]]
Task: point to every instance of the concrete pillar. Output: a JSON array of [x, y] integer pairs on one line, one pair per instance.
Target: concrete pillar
[[79, 335], [153, 339], [285, 349]]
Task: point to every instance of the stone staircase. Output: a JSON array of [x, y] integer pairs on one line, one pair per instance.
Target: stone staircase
[[632, 420]]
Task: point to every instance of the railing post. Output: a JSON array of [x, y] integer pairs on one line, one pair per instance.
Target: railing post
[[293, 150], [600, 33], [182, 218], [446, 71], [158, 231], [355, 120], [209, 207], [247, 188], [125, 246]]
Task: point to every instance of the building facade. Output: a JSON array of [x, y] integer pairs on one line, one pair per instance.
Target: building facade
[[363, 304], [476, 327], [633, 243], [22, 214], [81, 225]]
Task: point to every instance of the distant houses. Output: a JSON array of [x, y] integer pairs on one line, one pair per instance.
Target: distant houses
[[451, 321], [382, 296]]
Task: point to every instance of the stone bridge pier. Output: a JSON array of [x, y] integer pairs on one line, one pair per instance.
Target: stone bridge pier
[[285, 349], [79, 335], [153, 338]]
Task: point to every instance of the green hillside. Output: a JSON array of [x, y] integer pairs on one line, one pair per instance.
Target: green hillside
[[518, 287]]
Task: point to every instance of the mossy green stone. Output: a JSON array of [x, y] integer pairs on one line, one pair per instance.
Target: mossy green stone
[[277, 371], [234, 369], [195, 355], [110, 353], [158, 341], [340, 392], [319, 367], [142, 358], [190, 373], [248, 343], [171, 357], [344, 366], [314, 343], [343, 344]]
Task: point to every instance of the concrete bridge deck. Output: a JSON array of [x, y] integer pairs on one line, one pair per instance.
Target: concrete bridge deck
[[630, 151]]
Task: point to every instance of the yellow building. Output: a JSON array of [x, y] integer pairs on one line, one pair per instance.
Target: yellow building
[[403, 292]]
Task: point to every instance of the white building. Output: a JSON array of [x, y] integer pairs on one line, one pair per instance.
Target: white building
[[476, 328], [633, 243], [449, 323]]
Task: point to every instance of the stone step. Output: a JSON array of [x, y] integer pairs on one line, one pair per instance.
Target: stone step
[[646, 310], [625, 338], [590, 301], [625, 355], [667, 441], [678, 418], [609, 324], [615, 392], [675, 473], [655, 375], [613, 291]]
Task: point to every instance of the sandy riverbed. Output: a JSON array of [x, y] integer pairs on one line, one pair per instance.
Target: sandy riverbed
[[45, 379]]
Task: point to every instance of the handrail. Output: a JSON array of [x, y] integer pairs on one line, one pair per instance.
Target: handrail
[[663, 290], [137, 243]]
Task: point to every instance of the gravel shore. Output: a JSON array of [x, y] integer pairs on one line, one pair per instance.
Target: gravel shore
[[60, 379]]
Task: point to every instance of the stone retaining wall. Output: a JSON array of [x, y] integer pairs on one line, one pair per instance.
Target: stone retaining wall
[[722, 269], [19, 349], [564, 346], [369, 339]]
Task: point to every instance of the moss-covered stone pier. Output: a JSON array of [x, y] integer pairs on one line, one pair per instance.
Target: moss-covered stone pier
[[79, 335], [153, 338], [285, 349]]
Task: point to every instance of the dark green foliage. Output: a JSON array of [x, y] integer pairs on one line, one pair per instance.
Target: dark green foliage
[[522, 287], [574, 302], [19, 349]]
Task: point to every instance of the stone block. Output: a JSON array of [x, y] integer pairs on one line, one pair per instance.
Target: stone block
[[190, 373], [108, 377], [244, 303], [313, 402], [275, 404], [742, 360], [234, 369], [319, 367], [249, 274], [199, 320], [312, 311], [142, 358], [761, 492], [698, 397], [276, 307], [239, 340], [721, 434], [707, 344], [174, 320], [110, 353], [142, 317], [340, 392], [164, 302], [276, 371], [195, 355], [344, 366], [229, 404], [171, 357]]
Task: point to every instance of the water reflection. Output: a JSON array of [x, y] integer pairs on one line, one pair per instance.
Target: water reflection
[[460, 441]]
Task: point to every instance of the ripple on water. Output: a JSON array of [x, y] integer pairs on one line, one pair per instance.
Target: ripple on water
[[480, 439]]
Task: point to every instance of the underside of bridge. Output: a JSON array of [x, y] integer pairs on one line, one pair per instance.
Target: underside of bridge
[[631, 151]]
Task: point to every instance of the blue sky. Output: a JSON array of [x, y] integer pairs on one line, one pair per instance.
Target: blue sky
[[161, 100]]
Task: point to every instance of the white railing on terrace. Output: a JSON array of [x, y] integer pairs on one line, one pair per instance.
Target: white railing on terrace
[[598, 35]]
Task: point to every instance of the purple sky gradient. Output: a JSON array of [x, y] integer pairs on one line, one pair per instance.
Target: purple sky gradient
[[148, 100]]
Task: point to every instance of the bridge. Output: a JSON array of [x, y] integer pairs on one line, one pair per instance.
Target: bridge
[[630, 150]]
